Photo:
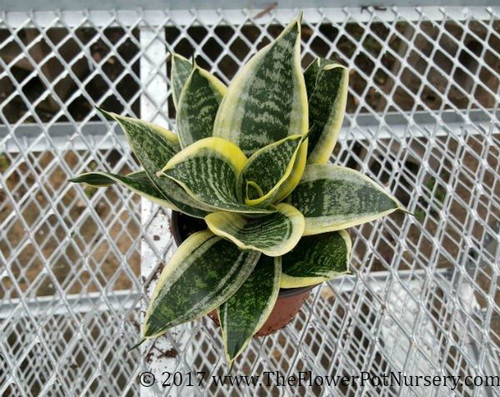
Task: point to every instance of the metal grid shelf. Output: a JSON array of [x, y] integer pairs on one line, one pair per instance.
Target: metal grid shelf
[[422, 119]]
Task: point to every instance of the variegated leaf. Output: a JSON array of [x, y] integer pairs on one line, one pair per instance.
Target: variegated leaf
[[312, 71], [179, 73], [138, 182], [203, 273], [327, 103], [274, 234], [267, 99], [334, 198], [253, 190], [244, 313], [293, 179], [268, 168], [208, 171], [197, 107], [316, 259], [153, 147], [184, 202], [310, 77]]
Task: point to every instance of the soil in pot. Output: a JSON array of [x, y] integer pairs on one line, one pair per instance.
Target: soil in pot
[[289, 300]]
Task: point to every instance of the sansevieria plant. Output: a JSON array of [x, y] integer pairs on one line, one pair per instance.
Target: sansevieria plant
[[252, 160]]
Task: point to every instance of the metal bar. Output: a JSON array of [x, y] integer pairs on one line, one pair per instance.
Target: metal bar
[[128, 299], [153, 66], [185, 17], [25, 5], [76, 136], [64, 136], [92, 302]]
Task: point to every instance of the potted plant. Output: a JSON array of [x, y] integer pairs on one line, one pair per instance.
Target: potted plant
[[250, 161]]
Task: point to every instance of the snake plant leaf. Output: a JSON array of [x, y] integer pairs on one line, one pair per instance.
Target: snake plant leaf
[[294, 178], [316, 259], [310, 78], [137, 181], [153, 147], [268, 168], [150, 143], [203, 273], [334, 198], [267, 99], [253, 190], [179, 73], [327, 103], [244, 313], [197, 107], [208, 171], [140, 183], [274, 234], [184, 202], [312, 71]]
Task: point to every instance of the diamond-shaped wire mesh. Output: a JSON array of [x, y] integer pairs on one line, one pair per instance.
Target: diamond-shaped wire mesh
[[422, 119]]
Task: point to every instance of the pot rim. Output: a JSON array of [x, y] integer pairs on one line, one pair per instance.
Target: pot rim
[[175, 229]]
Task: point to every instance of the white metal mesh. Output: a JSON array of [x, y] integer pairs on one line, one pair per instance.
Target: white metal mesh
[[422, 120]]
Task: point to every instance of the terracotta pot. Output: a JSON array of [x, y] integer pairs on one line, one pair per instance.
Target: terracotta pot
[[289, 300]]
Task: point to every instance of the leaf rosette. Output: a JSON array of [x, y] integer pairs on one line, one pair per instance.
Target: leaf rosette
[[252, 160]]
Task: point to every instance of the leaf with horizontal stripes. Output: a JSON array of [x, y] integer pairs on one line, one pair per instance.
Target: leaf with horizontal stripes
[[137, 181], [179, 73], [184, 202], [140, 183], [316, 259], [154, 146], [312, 71], [274, 234], [269, 168], [310, 77], [197, 107], [334, 198], [267, 99], [245, 312], [203, 273], [208, 171], [327, 102]]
